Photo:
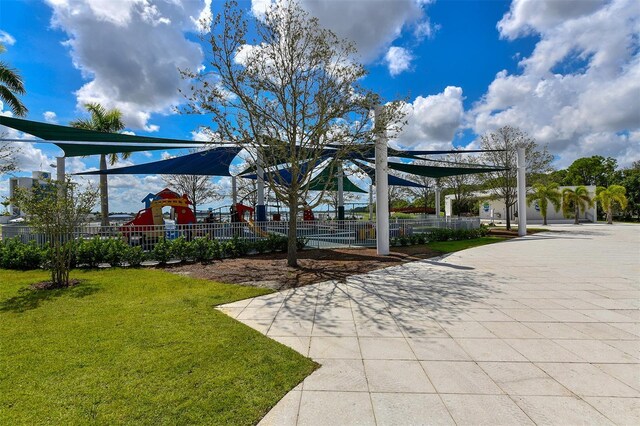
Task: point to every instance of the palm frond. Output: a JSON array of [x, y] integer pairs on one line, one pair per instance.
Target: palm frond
[[14, 103]]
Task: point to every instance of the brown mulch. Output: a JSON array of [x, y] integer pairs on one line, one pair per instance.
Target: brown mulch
[[49, 285], [271, 270]]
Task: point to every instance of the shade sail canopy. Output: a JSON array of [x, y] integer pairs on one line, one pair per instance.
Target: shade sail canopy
[[212, 162], [368, 151], [284, 176], [80, 142], [391, 179], [437, 172], [326, 181]]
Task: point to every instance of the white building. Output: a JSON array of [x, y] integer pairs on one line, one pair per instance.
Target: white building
[[37, 178], [494, 210]]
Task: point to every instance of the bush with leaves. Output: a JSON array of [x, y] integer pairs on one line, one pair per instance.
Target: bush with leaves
[[115, 251], [14, 254], [181, 249], [162, 251], [91, 252], [134, 255]]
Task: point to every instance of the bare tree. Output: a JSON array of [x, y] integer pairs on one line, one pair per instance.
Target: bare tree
[[427, 188], [331, 199], [199, 189], [7, 156], [288, 94], [501, 147], [460, 185]]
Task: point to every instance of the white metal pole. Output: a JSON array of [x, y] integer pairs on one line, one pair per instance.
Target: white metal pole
[[261, 211], [340, 193], [234, 190], [60, 175], [60, 169], [522, 193], [370, 202], [382, 187], [438, 190]]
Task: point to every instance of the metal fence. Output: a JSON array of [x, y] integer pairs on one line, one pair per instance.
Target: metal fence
[[317, 234]]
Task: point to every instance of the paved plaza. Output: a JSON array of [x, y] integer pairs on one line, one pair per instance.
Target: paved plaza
[[536, 330]]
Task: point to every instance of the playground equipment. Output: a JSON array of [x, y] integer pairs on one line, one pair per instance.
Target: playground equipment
[[143, 226]]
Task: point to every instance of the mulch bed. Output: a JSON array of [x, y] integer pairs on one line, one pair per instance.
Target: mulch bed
[[271, 270]]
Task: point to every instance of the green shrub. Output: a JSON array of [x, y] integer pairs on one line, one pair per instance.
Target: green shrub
[[91, 252], [162, 252], [115, 251], [261, 246], [301, 242], [277, 242], [181, 249], [134, 256], [14, 254]]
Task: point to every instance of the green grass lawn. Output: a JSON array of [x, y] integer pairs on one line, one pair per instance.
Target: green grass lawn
[[451, 246], [135, 347]]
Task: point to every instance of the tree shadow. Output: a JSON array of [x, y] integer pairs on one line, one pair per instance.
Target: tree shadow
[[29, 298]]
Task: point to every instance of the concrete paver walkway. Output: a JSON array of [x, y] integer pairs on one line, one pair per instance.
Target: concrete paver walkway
[[539, 330]]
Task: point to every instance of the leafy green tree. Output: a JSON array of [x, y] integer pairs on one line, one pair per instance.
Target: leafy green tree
[[11, 84], [575, 199], [543, 195], [103, 120], [630, 179], [56, 211], [608, 197], [595, 170]]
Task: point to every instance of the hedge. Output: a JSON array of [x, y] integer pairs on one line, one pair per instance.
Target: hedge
[[90, 253]]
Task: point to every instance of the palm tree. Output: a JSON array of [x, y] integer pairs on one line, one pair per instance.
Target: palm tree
[[614, 194], [10, 85], [578, 199], [543, 194], [103, 120]]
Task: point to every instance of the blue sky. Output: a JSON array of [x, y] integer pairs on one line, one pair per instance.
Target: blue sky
[[567, 72]]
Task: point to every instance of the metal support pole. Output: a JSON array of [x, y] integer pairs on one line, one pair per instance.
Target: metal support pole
[[234, 190], [60, 174], [60, 169], [382, 188], [522, 193], [370, 202], [340, 193], [261, 211], [438, 191]]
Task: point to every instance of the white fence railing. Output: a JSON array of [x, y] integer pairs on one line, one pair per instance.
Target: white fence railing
[[318, 234]]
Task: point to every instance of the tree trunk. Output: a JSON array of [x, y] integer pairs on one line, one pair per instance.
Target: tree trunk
[[610, 216], [104, 193], [544, 220], [577, 219], [292, 244]]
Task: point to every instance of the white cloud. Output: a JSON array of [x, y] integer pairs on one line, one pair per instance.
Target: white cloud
[[130, 51], [398, 60], [50, 117], [579, 90], [432, 121], [536, 16], [372, 25], [6, 38]]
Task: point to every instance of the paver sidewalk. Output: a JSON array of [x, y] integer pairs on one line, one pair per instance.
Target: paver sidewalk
[[539, 330]]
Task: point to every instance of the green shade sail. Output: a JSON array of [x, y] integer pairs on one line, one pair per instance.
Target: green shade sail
[[326, 182], [104, 143]]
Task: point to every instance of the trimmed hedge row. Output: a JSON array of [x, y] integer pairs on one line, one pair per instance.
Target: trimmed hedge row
[[15, 254], [439, 234]]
